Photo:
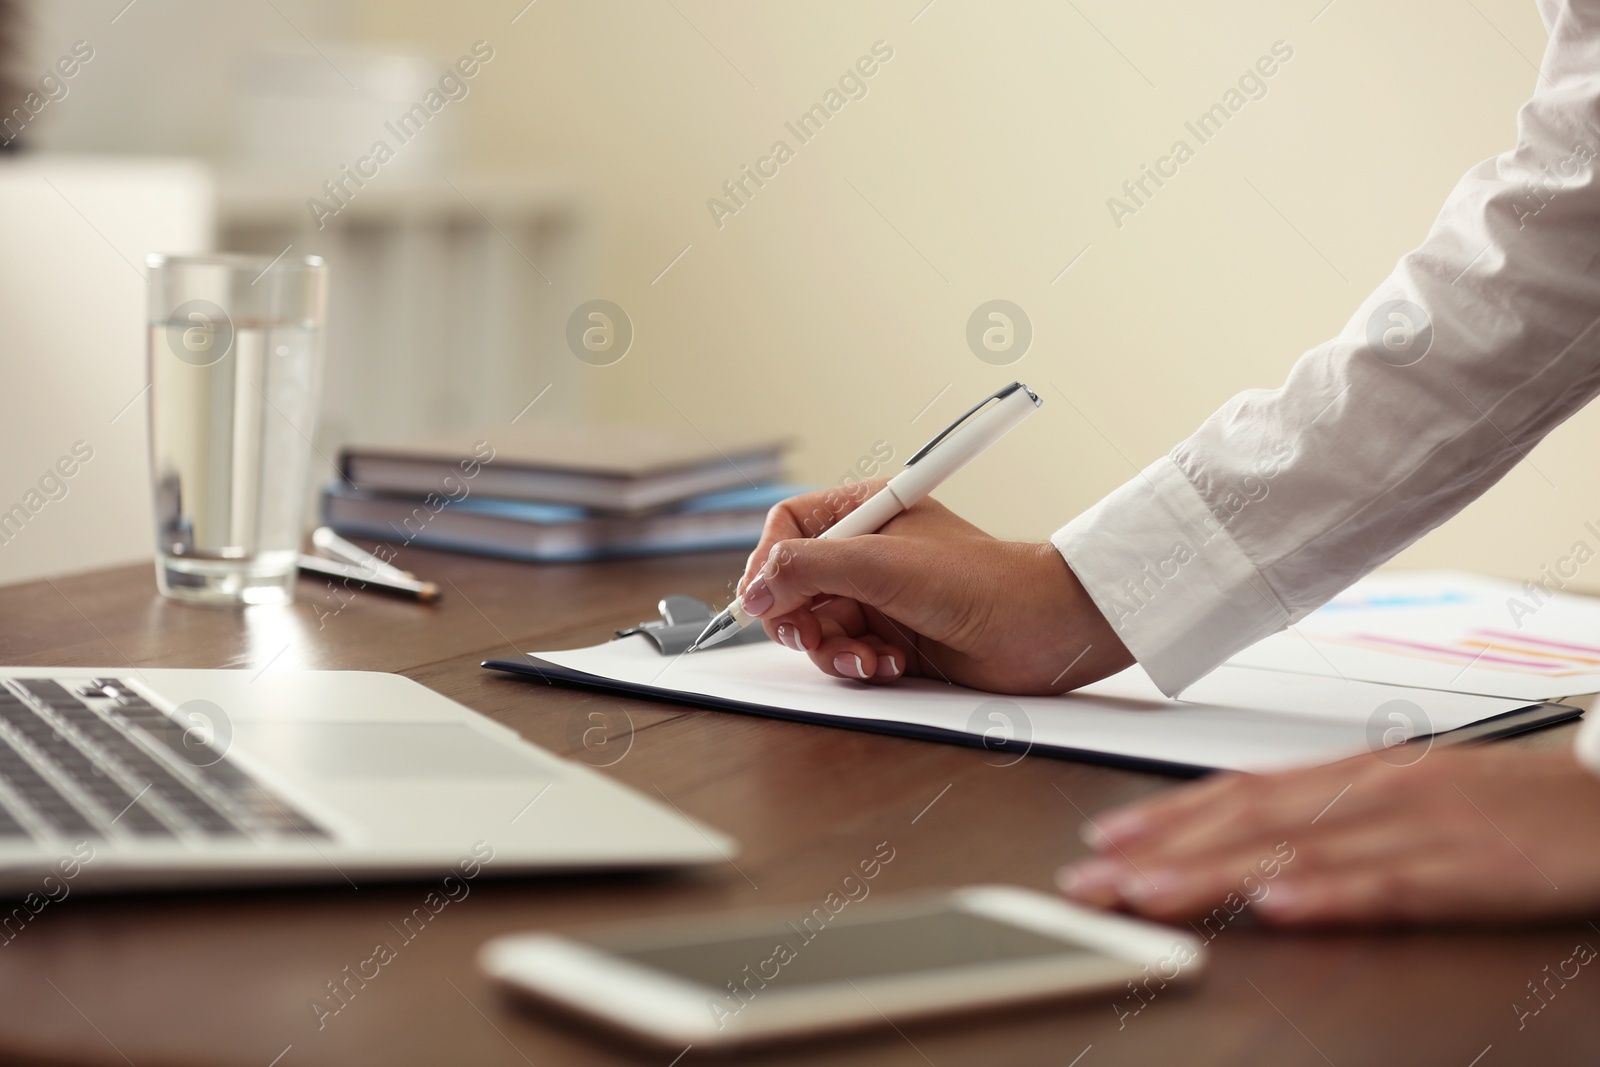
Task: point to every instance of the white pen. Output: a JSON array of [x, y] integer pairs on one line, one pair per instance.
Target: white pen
[[955, 446], [326, 539]]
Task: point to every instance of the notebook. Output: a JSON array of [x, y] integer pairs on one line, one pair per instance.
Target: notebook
[[616, 468], [1236, 718], [554, 533]]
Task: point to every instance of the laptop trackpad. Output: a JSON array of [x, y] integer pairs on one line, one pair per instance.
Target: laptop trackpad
[[388, 750]]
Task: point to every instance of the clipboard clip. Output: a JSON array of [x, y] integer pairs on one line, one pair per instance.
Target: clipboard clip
[[999, 394], [682, 619]]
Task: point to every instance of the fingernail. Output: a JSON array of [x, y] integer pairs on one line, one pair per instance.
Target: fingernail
[[1117, 826], [757, 597], [1282, 899], [1142, 885], [789, 634], [1089, 876], [887, 667], [849, 663]]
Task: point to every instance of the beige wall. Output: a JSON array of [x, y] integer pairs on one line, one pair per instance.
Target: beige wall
[[833, 306]]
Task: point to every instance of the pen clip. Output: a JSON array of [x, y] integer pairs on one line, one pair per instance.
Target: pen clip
[[979, 406]]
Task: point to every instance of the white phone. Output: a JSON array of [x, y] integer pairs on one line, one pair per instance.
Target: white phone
[[756, 977]]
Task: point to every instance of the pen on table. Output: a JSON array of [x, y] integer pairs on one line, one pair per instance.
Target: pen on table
[[951, 449], [328, 541], [427, 592]]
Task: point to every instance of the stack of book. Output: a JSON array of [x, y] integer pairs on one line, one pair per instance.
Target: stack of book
[[560, 493]]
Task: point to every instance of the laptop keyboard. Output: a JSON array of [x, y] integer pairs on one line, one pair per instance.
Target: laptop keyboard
[[91, 760]]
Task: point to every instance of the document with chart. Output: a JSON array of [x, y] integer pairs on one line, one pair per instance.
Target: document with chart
[[1446, 630]]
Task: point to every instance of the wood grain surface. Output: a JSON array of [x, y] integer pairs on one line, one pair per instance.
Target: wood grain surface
[[227, 978]]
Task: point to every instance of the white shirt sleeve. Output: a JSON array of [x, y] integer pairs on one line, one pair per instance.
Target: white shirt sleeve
[[1481, 341]]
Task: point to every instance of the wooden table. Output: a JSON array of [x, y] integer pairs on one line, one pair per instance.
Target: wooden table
[[227, 978]]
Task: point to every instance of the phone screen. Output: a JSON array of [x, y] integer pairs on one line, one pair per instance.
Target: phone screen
[[809, 952]]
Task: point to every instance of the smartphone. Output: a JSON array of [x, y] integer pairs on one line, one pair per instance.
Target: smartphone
[[758, 977]]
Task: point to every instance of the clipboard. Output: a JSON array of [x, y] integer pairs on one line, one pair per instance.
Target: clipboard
[[682, 614]]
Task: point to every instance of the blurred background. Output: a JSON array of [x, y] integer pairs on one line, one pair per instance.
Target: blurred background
[[829, 304]]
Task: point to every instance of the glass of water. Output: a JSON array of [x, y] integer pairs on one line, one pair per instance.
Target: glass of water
[[235, 353]]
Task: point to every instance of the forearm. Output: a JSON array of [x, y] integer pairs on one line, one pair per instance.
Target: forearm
[[1284, 497]]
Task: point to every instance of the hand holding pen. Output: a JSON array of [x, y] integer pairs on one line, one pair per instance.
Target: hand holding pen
[[929, 594]]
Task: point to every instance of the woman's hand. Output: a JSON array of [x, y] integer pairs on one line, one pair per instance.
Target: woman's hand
[[1490, 833], [929, 595]]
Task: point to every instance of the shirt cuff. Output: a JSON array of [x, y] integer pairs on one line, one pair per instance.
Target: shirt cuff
[[1164, 571]]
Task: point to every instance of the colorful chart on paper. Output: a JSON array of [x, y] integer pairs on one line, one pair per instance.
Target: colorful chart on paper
[[1444, 630]]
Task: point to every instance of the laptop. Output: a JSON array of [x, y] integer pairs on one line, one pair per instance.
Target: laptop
[[145, 779]]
